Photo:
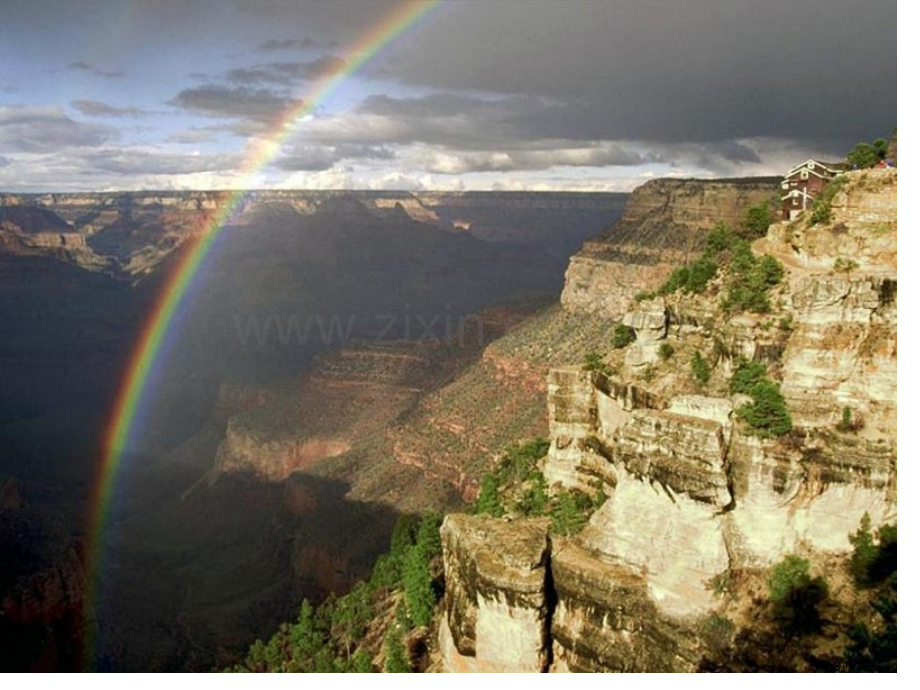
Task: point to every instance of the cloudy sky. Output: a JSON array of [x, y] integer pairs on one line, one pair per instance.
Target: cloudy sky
[[478, 94]]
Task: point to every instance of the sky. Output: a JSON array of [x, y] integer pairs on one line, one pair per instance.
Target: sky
[[593, 95]]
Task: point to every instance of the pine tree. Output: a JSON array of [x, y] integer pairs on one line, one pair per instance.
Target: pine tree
[[396, 661], [416, 579]]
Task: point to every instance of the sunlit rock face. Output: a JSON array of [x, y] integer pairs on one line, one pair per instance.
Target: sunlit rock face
[[663, 225], [497, 616], [692, 491]]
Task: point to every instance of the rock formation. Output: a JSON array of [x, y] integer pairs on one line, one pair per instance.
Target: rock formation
[[693, 493], [663, 224]]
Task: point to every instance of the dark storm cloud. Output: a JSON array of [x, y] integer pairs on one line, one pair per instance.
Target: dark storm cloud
[[80, 66], [215, 100], [324, 157], [100, 109], [469, 122], [37, 130], [275, 44], [140, 162], [284, 73], [671, 70]]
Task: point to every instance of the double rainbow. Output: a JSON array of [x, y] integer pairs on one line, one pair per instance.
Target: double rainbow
[[150, 349]]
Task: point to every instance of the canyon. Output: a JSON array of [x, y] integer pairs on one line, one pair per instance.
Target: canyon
[[265, 470], [287, 466], [691, 493]]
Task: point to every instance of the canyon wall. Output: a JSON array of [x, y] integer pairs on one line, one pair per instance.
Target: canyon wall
[[693, 493], [663, 224]]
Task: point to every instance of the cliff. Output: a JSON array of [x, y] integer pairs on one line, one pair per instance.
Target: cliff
[[694, 490], [131, 233], [663, 225]]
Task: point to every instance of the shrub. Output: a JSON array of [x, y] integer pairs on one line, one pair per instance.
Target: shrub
[[534, 499], [821, 211], [665, 351], [849, 422], [767, 415], [645, 295], [746, 376], [866, 155], [757, 221], [720, 239], [717, 632], [700, 369], [873, 559], [751, 278], [692, 278], [594, 362], [842, 265], [721, 583], [397, 661], [795, 595], [623, 335], [420, 596], [488, 502], [569, 512]]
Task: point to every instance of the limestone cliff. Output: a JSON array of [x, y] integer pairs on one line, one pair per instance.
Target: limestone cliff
[[664, 223], [693, 492], [498, 606]]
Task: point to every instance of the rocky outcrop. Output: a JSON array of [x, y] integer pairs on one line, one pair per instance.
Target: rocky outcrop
[[605, 621], [692, 491], [498, 601], [663, 226], [272, 459]]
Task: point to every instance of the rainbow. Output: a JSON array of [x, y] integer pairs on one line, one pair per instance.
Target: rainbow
[[150, 348]]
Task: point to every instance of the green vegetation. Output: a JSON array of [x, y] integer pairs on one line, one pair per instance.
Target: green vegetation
[[746, 376], [691, 278], [748, 278], [842, 265], [488, 502], [849, 422], [420, 596], [569, 512], [517, 487], [645, 295], [623, 335], [795, 596], [873, 645], [757, 221], [700, 369], [665, 351], [874, 649], [721, 583], [863, 624], [875, 557], [866, 155], [331, 637], [397, 661], [767, 415], [594, 362], [821, 207], [717, 632]]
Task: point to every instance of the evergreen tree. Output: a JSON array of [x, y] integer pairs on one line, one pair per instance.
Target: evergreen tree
[[489, 502], [361, 662], [420, 597], [700, 369], [396, 660]]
